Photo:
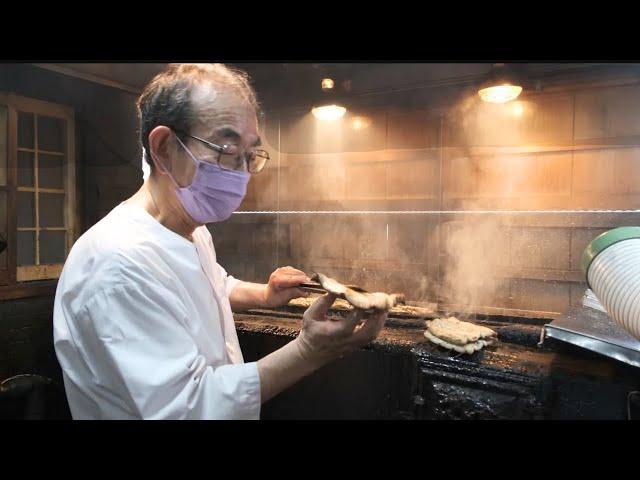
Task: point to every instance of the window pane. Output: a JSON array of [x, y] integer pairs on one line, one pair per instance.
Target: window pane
[[25, 130], [26, 248], [52, 247], [3, 145], [50, 173], [25, 169], [51, 134], [51, 210], [26, 210]]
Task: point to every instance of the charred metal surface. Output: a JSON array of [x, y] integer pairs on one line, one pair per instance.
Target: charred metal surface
[[403, 376], [469, 388], [452, 398], [522, 331]]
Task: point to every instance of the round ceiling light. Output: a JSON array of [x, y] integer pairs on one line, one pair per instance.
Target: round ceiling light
[[328, 112]]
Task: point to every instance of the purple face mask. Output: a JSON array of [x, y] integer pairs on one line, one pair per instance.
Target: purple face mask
[[214, 193]]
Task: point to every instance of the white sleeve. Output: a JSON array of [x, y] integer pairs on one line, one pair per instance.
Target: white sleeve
[[229, 282], [140, 348]]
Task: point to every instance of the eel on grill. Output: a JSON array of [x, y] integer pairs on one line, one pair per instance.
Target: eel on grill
[[463, 337], [362, 300], [340, 304]]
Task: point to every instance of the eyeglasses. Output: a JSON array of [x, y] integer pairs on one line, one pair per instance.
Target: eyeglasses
[[231, 158]]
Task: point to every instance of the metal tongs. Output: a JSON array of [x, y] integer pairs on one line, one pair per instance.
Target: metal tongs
[[315, 287]]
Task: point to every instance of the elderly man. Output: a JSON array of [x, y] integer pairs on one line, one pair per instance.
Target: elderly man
[[143, 324]]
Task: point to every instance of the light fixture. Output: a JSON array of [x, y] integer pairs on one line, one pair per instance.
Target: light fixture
[[328, 108], [328, 112], [500, 93], [501, 85], [327, 84]]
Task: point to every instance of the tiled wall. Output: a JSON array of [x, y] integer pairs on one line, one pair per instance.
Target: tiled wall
[[572, 150]]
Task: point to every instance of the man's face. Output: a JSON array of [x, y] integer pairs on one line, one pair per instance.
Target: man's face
[[225, 120]]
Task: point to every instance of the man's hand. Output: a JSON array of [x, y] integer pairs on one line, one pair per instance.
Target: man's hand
[[321, 341], [282, 286], [323, 338]]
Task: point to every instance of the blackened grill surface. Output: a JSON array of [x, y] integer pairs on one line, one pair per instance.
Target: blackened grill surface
[[403, 376], [518, 330], [516, 348]]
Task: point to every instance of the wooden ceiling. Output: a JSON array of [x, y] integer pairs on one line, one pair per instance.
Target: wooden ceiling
[[279, 84]]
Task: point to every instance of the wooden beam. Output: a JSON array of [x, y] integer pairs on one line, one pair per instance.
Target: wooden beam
[[39, 272], [88, 77]]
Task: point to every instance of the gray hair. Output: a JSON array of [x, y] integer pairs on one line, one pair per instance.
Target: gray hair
[[167, 99]]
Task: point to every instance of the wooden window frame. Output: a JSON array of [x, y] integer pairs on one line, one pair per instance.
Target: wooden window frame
[[15, 281]]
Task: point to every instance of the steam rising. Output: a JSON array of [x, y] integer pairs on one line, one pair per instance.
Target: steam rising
[[457, 260]]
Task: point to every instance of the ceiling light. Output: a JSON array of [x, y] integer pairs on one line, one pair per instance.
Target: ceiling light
[[501, 85], [327, 84], [328, 112]]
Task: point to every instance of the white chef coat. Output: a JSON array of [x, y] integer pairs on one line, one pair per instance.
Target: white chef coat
[[143, 326]]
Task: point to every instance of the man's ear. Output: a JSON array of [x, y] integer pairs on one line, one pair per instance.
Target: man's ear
[[160, 147]]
